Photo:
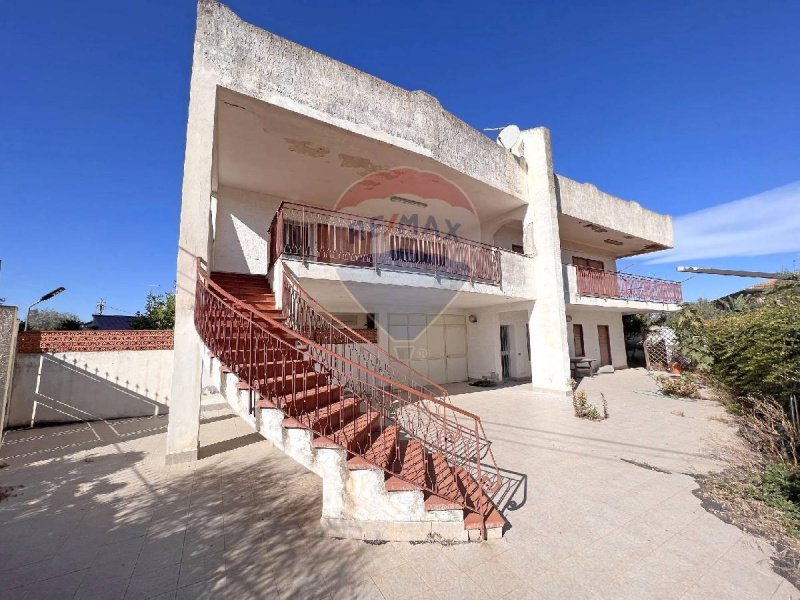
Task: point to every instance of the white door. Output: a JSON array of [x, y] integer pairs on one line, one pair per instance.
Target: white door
[[436, 346], [455, 341]]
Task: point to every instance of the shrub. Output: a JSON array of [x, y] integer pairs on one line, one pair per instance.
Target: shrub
[[780, 488], [757, 351], [583, 408], [684, 387]]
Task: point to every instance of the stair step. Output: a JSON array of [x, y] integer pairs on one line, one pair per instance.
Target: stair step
[[382, 450], [307, 400], [412, 471], [327, 418], [294, 382], [434, 502], [441, 477], [354, 434]]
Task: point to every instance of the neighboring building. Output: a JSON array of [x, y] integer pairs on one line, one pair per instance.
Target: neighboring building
[[290, 154], [111, 322]]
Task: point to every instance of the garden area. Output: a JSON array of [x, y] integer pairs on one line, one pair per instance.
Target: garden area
[[748, 354]]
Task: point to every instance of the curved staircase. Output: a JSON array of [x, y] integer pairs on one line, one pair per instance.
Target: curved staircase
[[398, 461]]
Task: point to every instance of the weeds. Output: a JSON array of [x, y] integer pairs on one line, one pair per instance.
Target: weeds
[[684, 386], [585, 409]]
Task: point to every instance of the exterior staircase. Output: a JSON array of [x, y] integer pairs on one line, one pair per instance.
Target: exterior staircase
[[397, 460]]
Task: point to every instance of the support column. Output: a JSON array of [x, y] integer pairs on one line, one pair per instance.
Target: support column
[[9, 325], [549, 349], [195, 241]]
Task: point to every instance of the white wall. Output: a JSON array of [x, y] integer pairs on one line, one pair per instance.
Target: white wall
[[590, 319], [87, 386], [241, 240], [508, 235]]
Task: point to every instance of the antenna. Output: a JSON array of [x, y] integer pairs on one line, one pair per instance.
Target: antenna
[[508, 136]]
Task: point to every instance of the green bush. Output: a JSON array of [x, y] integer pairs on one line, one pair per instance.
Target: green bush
[[780, 488], [757, 351]]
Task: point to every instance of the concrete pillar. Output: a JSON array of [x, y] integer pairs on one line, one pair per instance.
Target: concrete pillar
[[9, 325], [549, 350], [195, 240]]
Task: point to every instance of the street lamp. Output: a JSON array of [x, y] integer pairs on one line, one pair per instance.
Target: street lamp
[[47, 296]]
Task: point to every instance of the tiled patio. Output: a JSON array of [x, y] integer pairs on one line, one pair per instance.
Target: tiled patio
[[94, 513]]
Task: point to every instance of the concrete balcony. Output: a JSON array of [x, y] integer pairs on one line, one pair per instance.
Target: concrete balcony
[[630, 293]]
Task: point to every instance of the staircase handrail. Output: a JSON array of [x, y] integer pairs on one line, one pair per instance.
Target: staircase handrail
[[413, 416]]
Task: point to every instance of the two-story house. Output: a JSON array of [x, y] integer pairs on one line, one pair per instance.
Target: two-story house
[[348, 248]]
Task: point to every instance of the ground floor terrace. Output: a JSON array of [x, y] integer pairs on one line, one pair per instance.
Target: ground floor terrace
[[599, 510]]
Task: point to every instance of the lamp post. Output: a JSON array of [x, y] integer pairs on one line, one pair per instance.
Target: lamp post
[[47, 296]]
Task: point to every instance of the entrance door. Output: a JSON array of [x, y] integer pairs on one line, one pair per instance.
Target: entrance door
[[605, 345], [505, 351], [455, 343]]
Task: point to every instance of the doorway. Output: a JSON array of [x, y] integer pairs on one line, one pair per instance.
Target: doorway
[[505, 351], [604, 339]]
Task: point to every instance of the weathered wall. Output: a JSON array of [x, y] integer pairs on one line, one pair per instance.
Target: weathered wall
[[590, 319], [86, 386], [8, 335], [586, 202], [241, 231], [255, 62], [507, 236]]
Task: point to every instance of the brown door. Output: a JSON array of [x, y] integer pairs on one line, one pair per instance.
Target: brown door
[[577, 338], [605, 345]]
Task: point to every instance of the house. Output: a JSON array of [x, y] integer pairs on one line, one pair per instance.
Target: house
[[349, 248]]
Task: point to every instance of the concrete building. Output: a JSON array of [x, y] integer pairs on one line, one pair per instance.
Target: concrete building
[[358, 207]]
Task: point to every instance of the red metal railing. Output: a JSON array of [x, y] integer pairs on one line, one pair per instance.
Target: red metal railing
[[299, 377], [321, 235], [607, 284]]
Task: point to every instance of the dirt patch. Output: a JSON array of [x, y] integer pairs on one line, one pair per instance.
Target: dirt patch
[[729, 498]]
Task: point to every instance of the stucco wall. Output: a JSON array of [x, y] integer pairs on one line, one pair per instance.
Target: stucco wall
[[586, 202], [86, 386], [590, 319], [507, 236], [255, 62], [8, 331], [241, 225]]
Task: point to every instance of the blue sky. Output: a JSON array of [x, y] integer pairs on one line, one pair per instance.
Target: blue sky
[[681, 106]]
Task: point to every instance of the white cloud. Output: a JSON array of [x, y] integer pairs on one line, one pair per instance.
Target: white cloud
[[767, 223]]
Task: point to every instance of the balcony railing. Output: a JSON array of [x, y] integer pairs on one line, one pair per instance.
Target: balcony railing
[[622, 286], [326, 236]]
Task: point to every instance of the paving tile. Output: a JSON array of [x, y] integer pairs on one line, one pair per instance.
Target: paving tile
[[364, 589], [153, 583], [494, 577], [591, 525], [102, 589]]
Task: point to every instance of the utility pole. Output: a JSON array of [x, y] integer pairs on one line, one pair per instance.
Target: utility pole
[[101, 304], [735, 273]]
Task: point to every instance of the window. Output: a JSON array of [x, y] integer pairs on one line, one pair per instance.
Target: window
[[577, 336], [588, 262]]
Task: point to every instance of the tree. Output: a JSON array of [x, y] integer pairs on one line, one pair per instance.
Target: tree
[[51, 320], [159, 312], [70, 324], [734, 304]]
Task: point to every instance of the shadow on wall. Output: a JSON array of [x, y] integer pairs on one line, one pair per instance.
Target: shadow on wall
[[48, 389]]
